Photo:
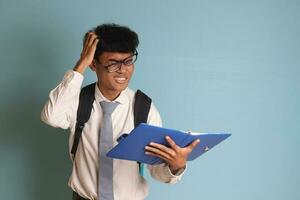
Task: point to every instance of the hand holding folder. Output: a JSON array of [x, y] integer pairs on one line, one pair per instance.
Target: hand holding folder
[[132, 147]]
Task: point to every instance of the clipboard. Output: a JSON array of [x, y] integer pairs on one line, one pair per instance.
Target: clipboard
[[132, 146]]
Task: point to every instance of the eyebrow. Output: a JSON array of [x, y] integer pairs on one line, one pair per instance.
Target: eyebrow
[[111, 59]]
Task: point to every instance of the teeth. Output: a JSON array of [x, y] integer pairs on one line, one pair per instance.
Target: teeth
[[120, 80]]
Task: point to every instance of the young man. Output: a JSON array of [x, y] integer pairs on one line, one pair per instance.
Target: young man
[[110, 51]]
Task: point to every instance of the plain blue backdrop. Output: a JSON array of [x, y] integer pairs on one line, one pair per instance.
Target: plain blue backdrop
[[210, 66]]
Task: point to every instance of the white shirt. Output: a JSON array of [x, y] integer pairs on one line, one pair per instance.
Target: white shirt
[[61, 110]]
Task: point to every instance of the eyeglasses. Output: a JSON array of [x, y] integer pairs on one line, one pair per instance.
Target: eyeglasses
[[116, 65]]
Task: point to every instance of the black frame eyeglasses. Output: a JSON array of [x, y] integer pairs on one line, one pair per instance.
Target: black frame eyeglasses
[[116, 65]]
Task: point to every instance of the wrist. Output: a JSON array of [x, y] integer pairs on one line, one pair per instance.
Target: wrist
[[174, 170], [80, 67]]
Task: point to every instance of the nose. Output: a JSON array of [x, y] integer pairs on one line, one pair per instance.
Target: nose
[[122, 68]]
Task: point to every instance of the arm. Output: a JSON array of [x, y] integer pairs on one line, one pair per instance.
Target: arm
[[175, 157], [60, 109], [161, 172]]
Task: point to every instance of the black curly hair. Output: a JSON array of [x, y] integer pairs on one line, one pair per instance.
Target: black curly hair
[[114, 38]]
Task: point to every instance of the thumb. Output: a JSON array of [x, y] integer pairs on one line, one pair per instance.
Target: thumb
[[194, 144]]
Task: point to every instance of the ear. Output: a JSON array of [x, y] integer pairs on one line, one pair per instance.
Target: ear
[[93, 65]]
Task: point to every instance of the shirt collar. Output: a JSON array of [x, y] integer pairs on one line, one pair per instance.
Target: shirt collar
[[122, 98]]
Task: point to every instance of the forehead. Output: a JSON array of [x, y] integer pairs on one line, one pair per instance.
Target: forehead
[[106, 56]]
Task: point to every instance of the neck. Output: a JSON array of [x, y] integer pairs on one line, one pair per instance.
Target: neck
[[109, 94]]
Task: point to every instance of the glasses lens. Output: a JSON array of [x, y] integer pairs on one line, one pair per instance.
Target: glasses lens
[[114, 67], [130, 60]]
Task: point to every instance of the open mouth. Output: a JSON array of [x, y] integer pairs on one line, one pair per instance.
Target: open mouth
[[120, 80]]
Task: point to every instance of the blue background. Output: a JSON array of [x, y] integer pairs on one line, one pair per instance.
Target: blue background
[[210, 66]]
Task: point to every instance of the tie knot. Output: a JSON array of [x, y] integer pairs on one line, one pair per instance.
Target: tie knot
[[108, 107]]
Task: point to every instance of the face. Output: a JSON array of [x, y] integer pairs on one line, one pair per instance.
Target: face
[[112, 82]]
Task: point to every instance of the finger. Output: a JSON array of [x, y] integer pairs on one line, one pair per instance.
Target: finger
[[172, 143], [93, 47], [86, 41], [194, 144], [158, 152], [157, 155], [92, 38], [86, 37], [163, 148], [90, 41]]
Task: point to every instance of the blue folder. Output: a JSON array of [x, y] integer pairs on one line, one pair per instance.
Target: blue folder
[[132, 147]]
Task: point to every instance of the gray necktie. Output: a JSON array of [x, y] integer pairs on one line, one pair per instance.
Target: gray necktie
[[105, 182]]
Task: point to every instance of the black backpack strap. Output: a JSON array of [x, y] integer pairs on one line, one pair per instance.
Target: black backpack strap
[[86, 99], [142, 104]]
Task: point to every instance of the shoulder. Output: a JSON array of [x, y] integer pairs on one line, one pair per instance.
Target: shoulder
[[130, 93], [153, 116]]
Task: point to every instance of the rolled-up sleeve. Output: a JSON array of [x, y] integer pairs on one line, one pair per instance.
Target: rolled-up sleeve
[[161, 172], [60, 109]]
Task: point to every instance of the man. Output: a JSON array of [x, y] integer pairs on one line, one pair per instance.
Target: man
[[110, 51]]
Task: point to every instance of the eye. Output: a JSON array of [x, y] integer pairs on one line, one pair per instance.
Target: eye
[[111, 64], [113, 67], [128, 61]]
